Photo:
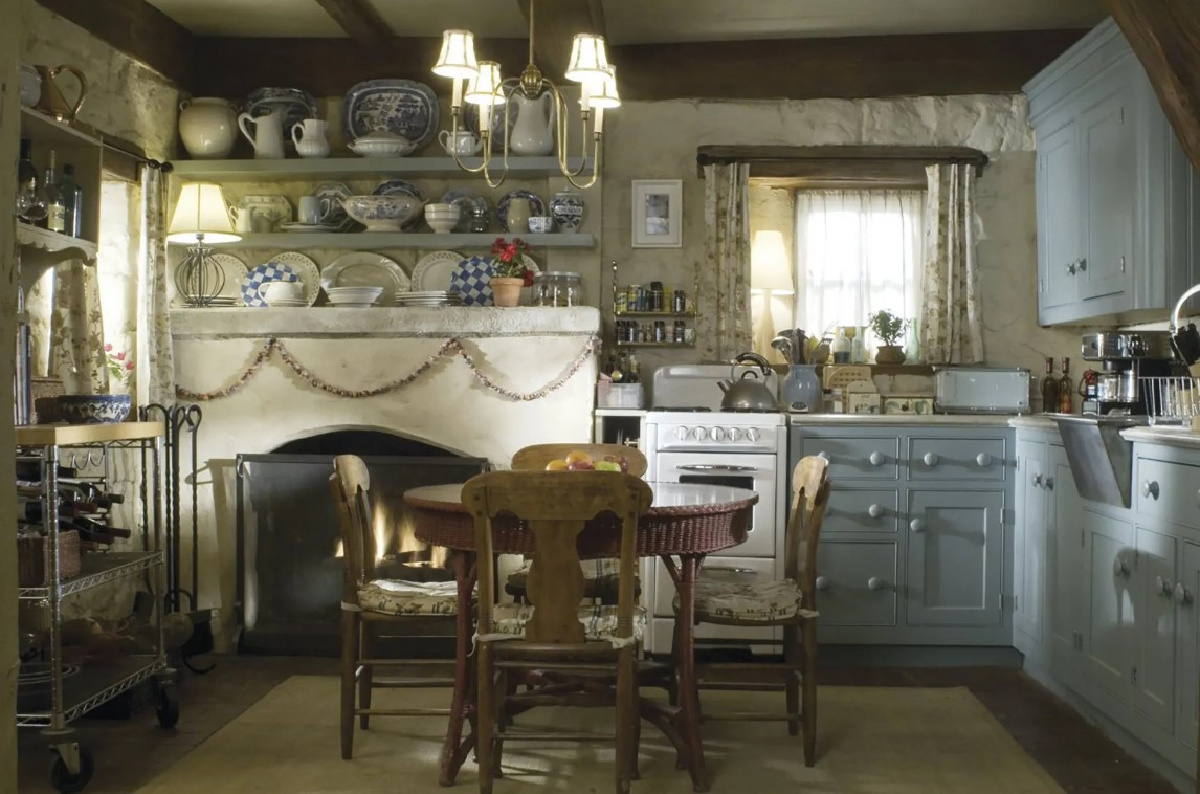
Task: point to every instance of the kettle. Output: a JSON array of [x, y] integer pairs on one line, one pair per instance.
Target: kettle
[[1186, 340], [749, 392]]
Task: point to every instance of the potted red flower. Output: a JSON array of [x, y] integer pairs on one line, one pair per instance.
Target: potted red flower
[[509, 273]]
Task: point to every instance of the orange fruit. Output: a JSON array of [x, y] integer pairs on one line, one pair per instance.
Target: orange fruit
[[578, 456], [557, 465]]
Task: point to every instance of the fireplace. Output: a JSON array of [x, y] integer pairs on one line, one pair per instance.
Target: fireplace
[[289, 562]]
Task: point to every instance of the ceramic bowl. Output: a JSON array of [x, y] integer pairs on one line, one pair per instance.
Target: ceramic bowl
[[354, 295], [90, 409], [383, 144], [382, 213]]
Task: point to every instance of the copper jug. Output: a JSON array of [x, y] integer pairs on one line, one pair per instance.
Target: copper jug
[[52, 102]]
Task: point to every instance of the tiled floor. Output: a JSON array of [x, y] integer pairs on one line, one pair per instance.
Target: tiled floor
[[129, 753]]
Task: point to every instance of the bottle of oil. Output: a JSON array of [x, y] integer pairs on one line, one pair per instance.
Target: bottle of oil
[[1065, 388], [1050, 402]]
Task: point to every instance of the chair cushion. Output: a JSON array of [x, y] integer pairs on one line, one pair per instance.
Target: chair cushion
[[599, 620], [601, 578], [395, 597], [757, 599]]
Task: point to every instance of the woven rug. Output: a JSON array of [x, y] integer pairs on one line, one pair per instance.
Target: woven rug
[[874, 740]]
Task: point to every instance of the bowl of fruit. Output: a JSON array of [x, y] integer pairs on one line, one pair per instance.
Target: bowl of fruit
[[578, 460]]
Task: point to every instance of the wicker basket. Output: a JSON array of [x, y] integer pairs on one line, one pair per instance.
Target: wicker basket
[[33, 561], [45, 390]]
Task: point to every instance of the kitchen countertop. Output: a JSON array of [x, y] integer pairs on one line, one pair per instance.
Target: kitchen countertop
[[934, 420], [1164, 434]]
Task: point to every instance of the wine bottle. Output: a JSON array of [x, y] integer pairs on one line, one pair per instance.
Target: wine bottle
[[1065, 388], [56, 207], [73, 197], [1050, 402], [634, 369], [31, 203]]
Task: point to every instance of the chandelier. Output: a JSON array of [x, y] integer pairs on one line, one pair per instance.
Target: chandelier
[[486, 89]]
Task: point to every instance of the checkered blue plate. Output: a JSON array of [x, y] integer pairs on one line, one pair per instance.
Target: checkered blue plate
[[264, 274], [472, 279]]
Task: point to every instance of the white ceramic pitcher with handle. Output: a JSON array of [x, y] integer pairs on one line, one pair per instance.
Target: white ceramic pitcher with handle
[[267, 139], [533, 132], [309, 137]]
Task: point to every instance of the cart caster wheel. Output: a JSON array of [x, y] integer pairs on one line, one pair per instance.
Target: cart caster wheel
[[167, 707], [61, 778]]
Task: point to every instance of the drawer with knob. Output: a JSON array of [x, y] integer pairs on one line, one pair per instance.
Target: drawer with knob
[[857, 457], [856, 583], [956, 459], [861, 510], [1167, 491]]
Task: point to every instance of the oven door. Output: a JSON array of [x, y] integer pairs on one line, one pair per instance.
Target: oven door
[[753, 472]]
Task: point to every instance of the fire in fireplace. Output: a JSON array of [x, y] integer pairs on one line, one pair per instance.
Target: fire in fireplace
[[289, 565]]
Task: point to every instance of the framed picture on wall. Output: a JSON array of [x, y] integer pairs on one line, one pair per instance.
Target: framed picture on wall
[[657, 213]]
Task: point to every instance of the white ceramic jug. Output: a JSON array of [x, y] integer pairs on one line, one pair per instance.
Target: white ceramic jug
[[267, 139], [309, 137], [465, 143], [208, 127], [533, 132]]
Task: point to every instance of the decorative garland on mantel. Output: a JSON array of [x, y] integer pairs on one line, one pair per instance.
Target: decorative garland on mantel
[[452, 346]]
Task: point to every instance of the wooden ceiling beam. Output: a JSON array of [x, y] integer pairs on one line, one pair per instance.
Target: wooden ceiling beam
[[1165, 36], [555, 23], [137, 29], [359, 19]]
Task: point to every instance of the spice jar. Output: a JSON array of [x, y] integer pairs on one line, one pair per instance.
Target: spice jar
[[557, 288]]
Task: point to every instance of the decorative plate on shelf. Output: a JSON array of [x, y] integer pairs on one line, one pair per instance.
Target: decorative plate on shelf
[[472, 279], [298, 105], [433, 271], [466, 199], [536, 205], [329, 193], [404, 107], [307, 228], [365, 269], [233, 270], [263, 274], [397, 187], [306, 270]]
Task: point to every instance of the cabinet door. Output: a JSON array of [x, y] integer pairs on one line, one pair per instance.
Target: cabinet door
[[1154, 669], [856, 583], [1109, 156], [1186, 588], [1029, 539], [1059, 211], [1066, 596], [1110, 641], [955, 544]]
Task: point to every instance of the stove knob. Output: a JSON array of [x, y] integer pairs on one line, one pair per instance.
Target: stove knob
[[682, 432], [752, 434], [718, 434], [700, 434], [734, 434]]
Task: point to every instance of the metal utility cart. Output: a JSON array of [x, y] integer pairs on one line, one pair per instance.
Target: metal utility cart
[[56, 700]]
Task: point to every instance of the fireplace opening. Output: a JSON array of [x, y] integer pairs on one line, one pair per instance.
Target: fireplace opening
[[290, 564]]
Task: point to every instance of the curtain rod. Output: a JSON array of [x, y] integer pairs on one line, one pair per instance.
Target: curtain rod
[[164, 166]]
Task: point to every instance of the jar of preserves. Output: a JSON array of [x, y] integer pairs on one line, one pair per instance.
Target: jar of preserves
[[557, 288]]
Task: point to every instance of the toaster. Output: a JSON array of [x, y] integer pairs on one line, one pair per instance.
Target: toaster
[[981, 390]]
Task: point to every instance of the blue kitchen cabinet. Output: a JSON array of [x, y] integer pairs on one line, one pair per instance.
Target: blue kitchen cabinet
[[1153, 676], [1065, 593], [1059, 212], [1188, 647], [1110, 633], [1029, 548]]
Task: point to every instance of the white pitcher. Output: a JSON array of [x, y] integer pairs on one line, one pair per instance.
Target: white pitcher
[[533, 132], [267, 139], [309, 137]]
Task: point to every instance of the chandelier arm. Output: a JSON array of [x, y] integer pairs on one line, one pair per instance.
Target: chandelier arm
[[455, 112], [560, 134], [597, 156]]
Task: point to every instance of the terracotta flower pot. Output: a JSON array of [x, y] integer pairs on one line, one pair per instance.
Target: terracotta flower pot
[[507, 291], [888, 354]]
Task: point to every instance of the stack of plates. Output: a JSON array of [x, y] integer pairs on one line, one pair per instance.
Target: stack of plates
[[428, 298], [218, 300], [356, 297], [281, 302]]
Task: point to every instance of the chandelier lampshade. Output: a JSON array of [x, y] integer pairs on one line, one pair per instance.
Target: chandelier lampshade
[[588, 59]]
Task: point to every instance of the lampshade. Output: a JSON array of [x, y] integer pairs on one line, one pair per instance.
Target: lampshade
[[604, 93], [483, 90], [589, 59], [769, 267], [457, 59], [201, 210]]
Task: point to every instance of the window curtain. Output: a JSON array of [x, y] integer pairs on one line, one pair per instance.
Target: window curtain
[[77, 329], [726, 271], [857, 252], [951, 321], [156, 357]]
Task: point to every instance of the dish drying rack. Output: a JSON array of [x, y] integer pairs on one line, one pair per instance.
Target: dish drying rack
[[1173, 399]]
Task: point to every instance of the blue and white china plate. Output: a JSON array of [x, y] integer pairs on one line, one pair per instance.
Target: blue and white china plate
[[433, 271], [472, 279], [365, 269], [306, 270], [263, 274], [300, 106], [405, 107], [536, 205], [401, 187], [329, 193], [466, 199]]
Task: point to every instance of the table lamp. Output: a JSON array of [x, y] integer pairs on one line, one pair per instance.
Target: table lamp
[[770, 274], [201, 218]]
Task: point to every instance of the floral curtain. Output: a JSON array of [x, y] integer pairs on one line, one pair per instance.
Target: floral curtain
[[77, 329], [725, 274], [156, 375], [951, 321]]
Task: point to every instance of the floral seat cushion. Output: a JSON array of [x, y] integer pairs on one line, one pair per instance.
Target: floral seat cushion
[[758, 599], [599, 620], [394, 597]]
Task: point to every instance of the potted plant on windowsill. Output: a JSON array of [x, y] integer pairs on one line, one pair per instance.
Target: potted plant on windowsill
[[888, 328], [509, 273]]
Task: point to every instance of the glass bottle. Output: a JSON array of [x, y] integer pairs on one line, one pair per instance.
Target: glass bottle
[[841, 347], [635, 369], [73, 195], [56, 205], [1065, 388], [1049, 388], [31, 202]]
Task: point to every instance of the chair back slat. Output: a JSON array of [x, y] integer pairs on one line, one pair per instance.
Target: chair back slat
[[810, 496], [351, 487], [537, 456], [555, 506]]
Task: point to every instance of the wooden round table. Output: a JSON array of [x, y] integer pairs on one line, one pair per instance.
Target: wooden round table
[[688, 521]]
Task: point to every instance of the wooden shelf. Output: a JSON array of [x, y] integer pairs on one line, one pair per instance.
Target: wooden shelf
[[63, 435], [55, 133], [251, 170], [54, 245], [377, 240]]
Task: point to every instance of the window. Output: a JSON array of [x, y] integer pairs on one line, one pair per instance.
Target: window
[[857, 252]]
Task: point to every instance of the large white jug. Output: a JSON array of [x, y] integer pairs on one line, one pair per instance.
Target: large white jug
[[267, 139], [533, 132]]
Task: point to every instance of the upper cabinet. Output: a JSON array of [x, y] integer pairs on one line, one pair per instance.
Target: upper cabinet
[[1115, 196]]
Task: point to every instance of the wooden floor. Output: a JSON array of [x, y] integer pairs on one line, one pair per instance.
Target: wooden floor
[[128, 753]]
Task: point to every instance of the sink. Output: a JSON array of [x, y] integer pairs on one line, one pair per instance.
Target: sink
[[1101, 460]]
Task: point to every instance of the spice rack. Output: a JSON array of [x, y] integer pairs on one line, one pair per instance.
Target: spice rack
[[662, 318]]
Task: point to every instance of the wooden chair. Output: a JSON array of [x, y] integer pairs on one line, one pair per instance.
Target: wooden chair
[[601, 575], [368, 602], [555, 633], [790, 602]]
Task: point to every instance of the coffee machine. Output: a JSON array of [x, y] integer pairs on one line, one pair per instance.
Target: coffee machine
[[1125, 356]]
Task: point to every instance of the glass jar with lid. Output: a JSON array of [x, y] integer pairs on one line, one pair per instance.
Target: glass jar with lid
[[557, 288]]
